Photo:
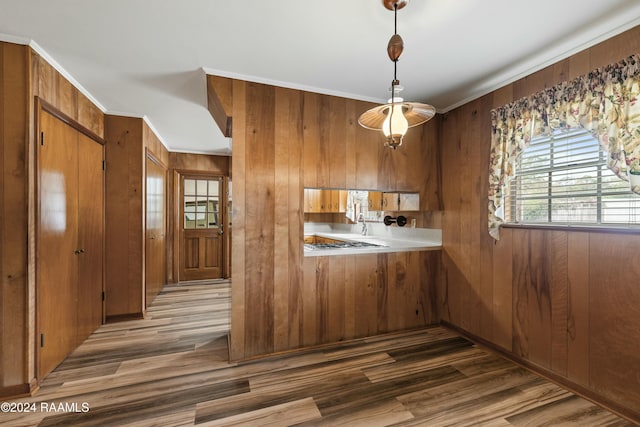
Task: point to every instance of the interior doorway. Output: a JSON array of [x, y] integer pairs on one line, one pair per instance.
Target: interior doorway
[[201, 228]]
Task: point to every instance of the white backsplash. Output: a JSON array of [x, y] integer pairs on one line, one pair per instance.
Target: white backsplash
[[376, 229]]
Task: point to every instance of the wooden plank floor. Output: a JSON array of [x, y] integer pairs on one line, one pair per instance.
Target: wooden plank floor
[[172, 370]]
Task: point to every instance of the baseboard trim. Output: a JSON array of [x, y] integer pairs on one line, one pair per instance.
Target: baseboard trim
[[578, 389], [19, 390], [124, 317]]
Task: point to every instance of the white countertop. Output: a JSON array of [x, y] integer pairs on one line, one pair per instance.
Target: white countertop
[[390, 240]]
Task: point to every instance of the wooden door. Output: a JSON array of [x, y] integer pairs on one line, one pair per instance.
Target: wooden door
[[57, 245], [155, 251], [201, 229], [90, 236]]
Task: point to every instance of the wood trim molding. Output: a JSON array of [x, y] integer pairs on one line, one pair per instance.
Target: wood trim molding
[[49, 108], [586, 393], [151, 156], [576, 228], [19, 390], [124, 317]]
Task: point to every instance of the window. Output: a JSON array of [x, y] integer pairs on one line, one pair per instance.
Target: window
[[564, 179], [201, 203]]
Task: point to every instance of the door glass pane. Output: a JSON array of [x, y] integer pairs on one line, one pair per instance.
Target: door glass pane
[[189, 204], [189, 220], [189, 187], [214, 188], [201, 187], [201, 203], [213, 220]]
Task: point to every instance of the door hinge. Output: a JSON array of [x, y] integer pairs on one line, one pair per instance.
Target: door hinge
[[41, 138], [41, 340], [104, 165], [102, 295]]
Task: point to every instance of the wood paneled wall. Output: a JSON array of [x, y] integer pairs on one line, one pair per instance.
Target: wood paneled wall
[[353, 296], [566, 302], [15, 274], [23, 76], [285, 140], [186, 162], [127, 141]]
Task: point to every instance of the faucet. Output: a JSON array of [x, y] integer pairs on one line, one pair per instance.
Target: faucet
[[364, 223]]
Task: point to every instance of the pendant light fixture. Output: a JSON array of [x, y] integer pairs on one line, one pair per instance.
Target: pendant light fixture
[[395, 117]]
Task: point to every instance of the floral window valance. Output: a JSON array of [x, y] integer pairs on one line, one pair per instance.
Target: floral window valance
[[606, 102]]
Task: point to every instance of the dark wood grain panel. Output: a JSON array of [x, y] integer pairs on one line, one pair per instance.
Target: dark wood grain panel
[[47, 82], [365, 282], [14, 208], [283, 101], [154, 145], [124, 185], [217, 165], [431, 266], [614, 302], [382, 295], [309, 321], [503, 291], [350, 143], [559, 292], [578, 308], [368, 146], [89, 115], [535, 277], [336, 309], [470, 226], [615, 49], [316, 124], [2, 210], [238, 258], [66, 96], [336, 142], [260, 213], [533, 83]]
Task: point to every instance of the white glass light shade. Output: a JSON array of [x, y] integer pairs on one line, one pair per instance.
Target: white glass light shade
[[395, 124]]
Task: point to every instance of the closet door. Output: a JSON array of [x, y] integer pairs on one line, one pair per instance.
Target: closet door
[[57, 257], [155, 250], [90, 236]]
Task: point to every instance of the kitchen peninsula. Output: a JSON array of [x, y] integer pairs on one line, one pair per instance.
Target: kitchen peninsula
[[354, 292], [378, 239]]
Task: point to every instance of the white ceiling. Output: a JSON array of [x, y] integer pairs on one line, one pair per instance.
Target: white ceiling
[[148, 58]]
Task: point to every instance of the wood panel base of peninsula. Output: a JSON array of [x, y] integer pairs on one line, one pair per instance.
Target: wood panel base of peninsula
[[356, 296]]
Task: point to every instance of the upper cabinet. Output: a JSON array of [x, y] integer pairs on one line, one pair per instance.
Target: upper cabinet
[[409, 202], [375, 200], [322, 200], [318, 200], [401, 202]]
